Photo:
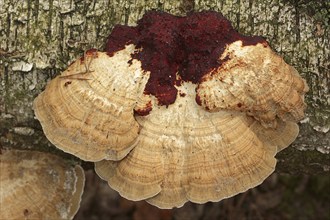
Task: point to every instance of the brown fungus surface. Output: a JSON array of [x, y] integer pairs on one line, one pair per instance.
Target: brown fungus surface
[[36, 185], [177, 49], [88, 110], [179, 109]]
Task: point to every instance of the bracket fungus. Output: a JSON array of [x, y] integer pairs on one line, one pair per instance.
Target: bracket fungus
[[176, 109], [36, 185]]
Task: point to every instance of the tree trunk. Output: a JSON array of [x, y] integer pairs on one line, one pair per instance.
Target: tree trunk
[[39, 38]]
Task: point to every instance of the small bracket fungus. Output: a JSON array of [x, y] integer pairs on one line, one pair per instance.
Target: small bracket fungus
[[176, 109], [36, 185], [88, 110]]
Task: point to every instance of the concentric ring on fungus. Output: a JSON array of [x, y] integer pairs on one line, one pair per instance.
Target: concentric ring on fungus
[[176, 109], [38, 185]]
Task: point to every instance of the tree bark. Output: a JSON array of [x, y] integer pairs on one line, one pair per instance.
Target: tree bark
[[39, 38]]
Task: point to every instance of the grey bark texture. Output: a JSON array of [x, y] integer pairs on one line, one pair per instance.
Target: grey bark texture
[[39, 38]]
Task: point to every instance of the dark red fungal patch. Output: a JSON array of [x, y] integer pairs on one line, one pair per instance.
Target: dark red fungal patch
[[26, 212], [145, 111], [198, 99], [67, 83], [90, 52], [120, 36], [190, 46]]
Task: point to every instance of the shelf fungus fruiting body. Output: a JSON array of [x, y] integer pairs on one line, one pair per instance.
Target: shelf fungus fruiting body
[[176, 109], [36, 185]]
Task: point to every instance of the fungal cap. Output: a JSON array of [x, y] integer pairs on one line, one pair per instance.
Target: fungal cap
[[212, 135], [256, 81], [212, 108], [88, 110], [36, 185], [185, 153]]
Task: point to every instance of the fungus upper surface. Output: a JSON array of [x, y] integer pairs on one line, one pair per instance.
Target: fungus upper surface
[[180, 108], [177, 49], [87, 110], [37, 185]]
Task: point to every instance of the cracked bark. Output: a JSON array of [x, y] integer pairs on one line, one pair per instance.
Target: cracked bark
[[39, 38]]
